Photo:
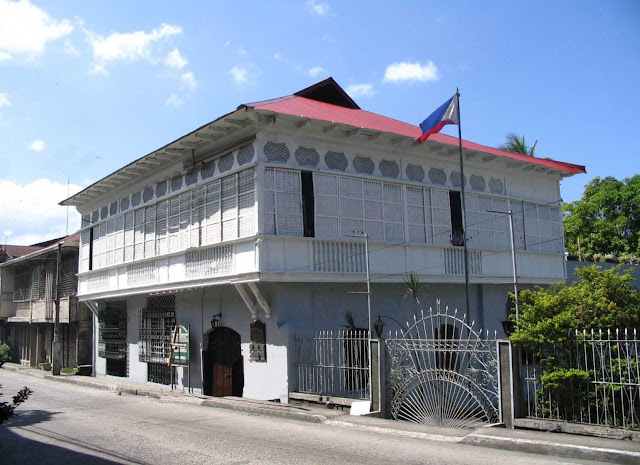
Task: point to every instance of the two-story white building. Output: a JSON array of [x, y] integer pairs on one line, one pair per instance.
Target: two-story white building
[[249, 218]]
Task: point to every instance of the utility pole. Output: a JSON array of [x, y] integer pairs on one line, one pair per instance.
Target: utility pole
[[56, 355], [368, 292], [513, 258]]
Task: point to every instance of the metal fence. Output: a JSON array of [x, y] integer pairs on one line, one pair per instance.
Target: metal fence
[[333, 363], [599, 385]]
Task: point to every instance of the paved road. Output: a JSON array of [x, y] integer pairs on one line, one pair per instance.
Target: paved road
[[65, 423]]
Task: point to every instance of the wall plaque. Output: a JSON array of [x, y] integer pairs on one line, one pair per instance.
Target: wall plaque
[[258, 345]]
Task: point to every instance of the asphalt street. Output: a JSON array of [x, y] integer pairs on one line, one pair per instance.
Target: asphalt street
[[64, 423]]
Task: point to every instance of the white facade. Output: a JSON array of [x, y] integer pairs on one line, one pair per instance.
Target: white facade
[[230, 227]]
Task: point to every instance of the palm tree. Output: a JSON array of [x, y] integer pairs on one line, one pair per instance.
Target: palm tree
[[515, 143]]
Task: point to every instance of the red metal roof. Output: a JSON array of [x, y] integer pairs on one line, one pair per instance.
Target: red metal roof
[[314, 109]]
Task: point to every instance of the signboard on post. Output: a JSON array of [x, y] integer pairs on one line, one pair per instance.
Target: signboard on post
[[179, 347]]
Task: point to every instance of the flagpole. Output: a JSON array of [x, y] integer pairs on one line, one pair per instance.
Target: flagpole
[[464, 219]]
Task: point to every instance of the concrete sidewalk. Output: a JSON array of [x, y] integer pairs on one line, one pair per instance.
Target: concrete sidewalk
[[537, 442]]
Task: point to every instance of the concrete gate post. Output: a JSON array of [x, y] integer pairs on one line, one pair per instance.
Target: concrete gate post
[[510, 382], [379, 375]]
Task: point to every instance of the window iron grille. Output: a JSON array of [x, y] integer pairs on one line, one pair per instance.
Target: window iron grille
[[112, 338], [155, 324], [160, 373]]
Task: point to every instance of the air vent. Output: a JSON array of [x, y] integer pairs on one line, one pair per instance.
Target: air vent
[[245, 155], [86, 219], [124, 203], [176, 183], [208, 169], [363, 164], [389, 168], [113, 209], [336, 161], [226, 163], [307, 157], [477, 183], [437, 176], [276, 152], [104, 212], [147, 194], [455, 179], [191, 177], [415, 172], [95, 216], [135, 199], [496, 186], [161, 189]]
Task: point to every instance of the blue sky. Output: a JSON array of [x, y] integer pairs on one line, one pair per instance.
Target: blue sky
[[86, 87]]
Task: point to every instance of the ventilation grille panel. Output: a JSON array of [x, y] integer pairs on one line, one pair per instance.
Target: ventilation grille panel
[[161, 189], [135, 199], [477, 183], [363, 165], [496, 186], [389, 168], [276, 152], [208, 169], [104, 212], [336, 160], [124, 203], [113, 209], [245, 155], [415, 172], [307, 157], [191, 177], [147, 194], [225, 163], [455, 179], [437, 176]]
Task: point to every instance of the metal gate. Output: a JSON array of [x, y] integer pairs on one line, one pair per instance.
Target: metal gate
[[443, 372]]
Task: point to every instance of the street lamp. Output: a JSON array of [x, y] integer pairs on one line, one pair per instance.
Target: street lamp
[[215, 320], [378, 326]]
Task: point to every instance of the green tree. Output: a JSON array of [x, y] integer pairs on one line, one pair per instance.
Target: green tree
[[551, 326], [606, 220], [516, 143]]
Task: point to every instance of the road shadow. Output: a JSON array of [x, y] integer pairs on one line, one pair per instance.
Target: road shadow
[[17, 449], [23, 417]]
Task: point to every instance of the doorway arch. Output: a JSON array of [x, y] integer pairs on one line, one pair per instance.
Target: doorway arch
[[222, 364]]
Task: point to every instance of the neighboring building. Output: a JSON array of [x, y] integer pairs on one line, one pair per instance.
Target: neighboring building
[[28, 284], [249, 219]]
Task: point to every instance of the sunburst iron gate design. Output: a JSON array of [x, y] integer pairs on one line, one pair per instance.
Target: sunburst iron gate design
[[443, 372]]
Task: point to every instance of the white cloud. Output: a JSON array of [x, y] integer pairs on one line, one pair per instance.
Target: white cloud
[[175, 60], [188, 81], [316, 71], [239, 75], [25, 29], [37, 145], [4, 99], [33, 212], [277, 56], [69, 48], [130, 46], [173, 101], [360, 90], [242, 51], [227, 43], [321, 9], [405, 71]]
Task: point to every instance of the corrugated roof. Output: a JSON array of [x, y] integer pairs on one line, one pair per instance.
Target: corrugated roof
[[303, 107]]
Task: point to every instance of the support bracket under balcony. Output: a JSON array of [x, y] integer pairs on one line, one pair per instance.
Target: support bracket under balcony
[[93, 306], [261, 300], [253, 308]]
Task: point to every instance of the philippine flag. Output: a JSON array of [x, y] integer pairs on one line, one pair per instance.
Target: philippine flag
[[447, 113]]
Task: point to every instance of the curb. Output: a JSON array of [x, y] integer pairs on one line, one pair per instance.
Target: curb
[[392, 432], [539, 447]]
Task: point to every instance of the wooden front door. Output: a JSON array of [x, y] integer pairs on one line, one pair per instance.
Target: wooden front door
[[225, 362]]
